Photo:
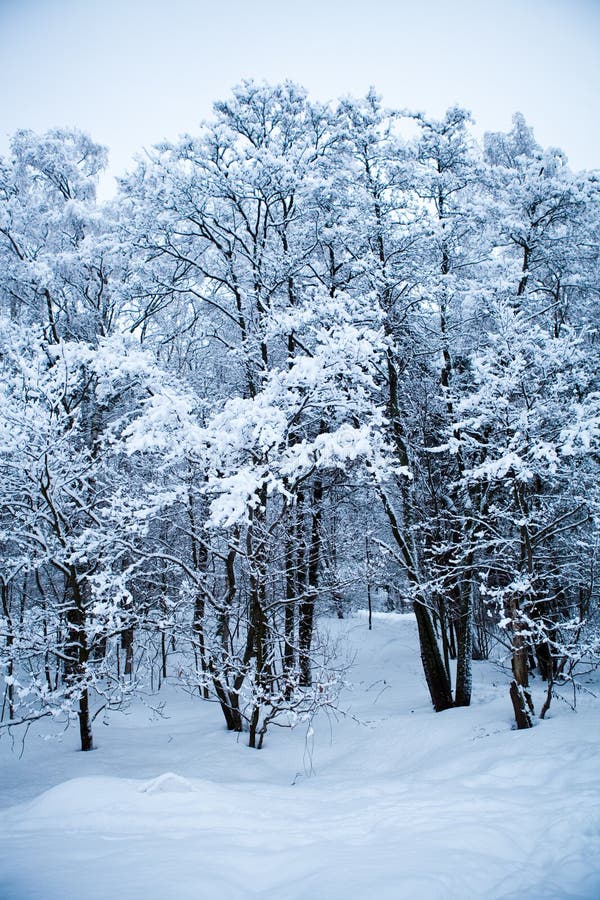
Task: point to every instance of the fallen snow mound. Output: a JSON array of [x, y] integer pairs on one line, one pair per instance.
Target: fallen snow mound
[[169, 783]]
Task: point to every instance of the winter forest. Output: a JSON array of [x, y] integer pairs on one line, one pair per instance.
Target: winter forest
[[313, 365]]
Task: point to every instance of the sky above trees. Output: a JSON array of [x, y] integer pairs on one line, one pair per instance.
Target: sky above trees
[[134, 73]]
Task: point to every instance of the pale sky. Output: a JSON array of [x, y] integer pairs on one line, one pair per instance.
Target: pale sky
[[132, 72]]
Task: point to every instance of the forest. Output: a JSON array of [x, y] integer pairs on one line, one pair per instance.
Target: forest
[[311, 360]]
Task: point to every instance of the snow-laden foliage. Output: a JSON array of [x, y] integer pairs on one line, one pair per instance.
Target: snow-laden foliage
[[299, 364]]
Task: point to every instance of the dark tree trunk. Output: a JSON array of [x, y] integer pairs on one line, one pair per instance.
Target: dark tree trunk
[[85, 722], [464, 665], [435, 672], [444, 623], [200, 561], [295, 577], [519, 688], [77, 653], [10, 688], [163, 654], [306, 614], [256, 553], [433, 665], [127, 646], [228, 694], [291, 595], [522, 705]]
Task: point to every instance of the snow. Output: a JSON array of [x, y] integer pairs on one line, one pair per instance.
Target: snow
[[389, 800], [169, 783]]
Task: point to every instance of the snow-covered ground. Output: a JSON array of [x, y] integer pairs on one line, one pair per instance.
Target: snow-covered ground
[[390, 801]]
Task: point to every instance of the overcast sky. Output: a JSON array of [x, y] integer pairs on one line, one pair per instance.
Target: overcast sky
[[132, 72]]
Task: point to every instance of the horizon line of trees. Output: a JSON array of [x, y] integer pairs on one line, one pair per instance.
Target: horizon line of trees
[[299, 359]]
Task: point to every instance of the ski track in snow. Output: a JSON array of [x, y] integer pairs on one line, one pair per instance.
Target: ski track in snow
[[403, 804]]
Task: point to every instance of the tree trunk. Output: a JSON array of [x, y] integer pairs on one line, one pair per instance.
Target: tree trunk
[[200, 561], [163, 654], [10, 688], [85, 722], [127, 646], [256, 553], [433, 665], [291, 594], [306, 613], [435, 672], [522, 705], [77, 653], [228, 694], [519, 688], [464, 665]]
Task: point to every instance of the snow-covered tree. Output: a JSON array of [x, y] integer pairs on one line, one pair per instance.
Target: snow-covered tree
[[295, 348]]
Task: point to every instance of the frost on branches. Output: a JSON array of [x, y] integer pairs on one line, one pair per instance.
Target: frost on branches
[[299, 365]]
